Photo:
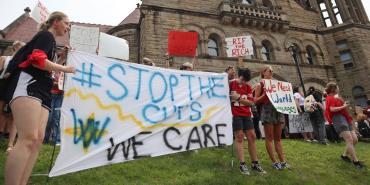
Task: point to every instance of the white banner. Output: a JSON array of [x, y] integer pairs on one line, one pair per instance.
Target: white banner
[[281, 96], [115, 111], [83, 38], [300, 123], [40, 13], [239, 46]]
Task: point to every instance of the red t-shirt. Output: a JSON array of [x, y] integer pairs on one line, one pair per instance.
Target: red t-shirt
[[245, 90], [331, 101], [266, 99]]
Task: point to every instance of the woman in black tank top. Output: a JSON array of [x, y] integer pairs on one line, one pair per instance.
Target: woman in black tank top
[[29, 91]]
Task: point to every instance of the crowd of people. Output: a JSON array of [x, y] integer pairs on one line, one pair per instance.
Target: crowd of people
[[32, 91]]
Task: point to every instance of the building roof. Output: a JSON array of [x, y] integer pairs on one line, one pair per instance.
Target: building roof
[[133, 18]]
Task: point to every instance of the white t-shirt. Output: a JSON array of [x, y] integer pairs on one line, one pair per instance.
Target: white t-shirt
[[300, 99], [6, 63]]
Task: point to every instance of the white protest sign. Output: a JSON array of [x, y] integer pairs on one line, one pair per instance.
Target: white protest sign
[[115, 111], [239, 46], [300, 123], [113, 47], [281, 96], [40, 13], [83, 38]]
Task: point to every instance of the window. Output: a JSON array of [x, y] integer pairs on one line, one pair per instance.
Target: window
[[213, 47], [325, 14], [266, 51], [267, 3], [345, 54], [336, 12], [249, 2], [310, 55], [359, 95], [297, 53]]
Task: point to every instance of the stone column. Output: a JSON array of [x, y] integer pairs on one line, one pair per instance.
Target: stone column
[[344, 12], [362, 13]]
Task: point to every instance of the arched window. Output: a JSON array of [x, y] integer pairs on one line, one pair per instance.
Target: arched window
[[267, 51], [310, 55], [213, 46], [359, 95]]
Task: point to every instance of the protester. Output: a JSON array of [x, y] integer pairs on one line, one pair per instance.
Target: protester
[[230, 70], [299, 99], [272, 120], [363, 125], [337, 114], [29, 92], [187, 66], [317, 116], [367, 110], [242, 100], [6, 119]]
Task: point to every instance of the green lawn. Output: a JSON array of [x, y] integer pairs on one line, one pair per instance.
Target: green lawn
[[312, 163]]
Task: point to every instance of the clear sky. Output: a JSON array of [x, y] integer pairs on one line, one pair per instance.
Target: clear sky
[[109, 12]]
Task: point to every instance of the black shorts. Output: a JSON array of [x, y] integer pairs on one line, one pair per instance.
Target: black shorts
[[24, 85], [242, 123]]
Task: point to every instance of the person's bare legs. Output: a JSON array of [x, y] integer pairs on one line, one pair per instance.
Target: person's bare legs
[[26, 113], [269, 137], [239, 137], [12, 133], [277, 141], [252, 149], [350, 149], [40, 138]]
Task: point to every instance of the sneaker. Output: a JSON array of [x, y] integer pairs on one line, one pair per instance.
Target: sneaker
[[285, 165], [257, 167], [244, 169], [276, 166], [314, 140], [345, 158], [309, 141], [358, 165]]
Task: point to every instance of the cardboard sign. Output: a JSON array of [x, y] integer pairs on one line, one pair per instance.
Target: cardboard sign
[[84, 38], [40, 13], [281, 96], [182, 44], [300, 123], [239, 46], [116, 111]]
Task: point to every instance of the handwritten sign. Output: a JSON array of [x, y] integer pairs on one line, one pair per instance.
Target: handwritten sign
[[281, 96], [84, 38], [113, 47], [239, 46], [182, 44], [40, 13], [115, 111], [300, 123]]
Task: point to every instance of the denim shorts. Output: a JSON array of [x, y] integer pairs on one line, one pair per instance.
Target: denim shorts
[[341, 124]]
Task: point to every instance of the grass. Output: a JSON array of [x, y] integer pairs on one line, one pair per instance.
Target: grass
[[312, 163]]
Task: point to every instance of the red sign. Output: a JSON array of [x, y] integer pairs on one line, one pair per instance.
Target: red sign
[[182, 44]]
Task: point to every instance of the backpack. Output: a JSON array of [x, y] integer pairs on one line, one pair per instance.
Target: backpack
[[363, 129], [309, 104]]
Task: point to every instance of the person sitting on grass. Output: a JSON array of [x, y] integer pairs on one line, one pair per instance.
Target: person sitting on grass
[[241, 102], [336, 109]]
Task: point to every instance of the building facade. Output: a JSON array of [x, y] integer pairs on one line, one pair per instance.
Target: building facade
[[331, 37]]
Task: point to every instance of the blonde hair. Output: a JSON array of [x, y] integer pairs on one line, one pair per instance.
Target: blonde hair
[[18, 43], [264, 68], [55, 16], [331, 87]]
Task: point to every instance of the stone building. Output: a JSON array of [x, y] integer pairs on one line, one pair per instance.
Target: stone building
[[331, 37]]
